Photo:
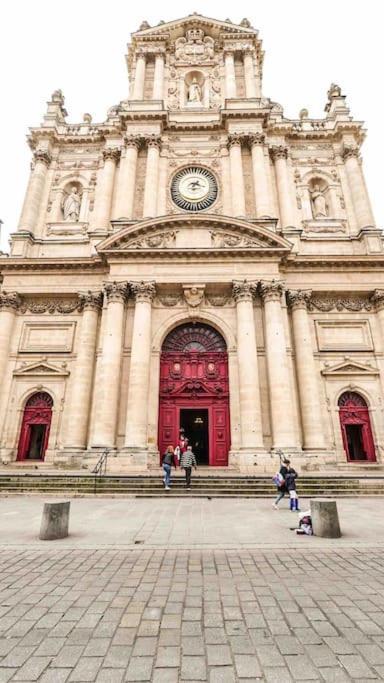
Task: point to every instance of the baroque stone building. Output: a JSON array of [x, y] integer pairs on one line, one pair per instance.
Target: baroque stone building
[[197, 260]]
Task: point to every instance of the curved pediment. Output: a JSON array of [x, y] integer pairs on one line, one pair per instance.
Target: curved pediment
[[189, 233]]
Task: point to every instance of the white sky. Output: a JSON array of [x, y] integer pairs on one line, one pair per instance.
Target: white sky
[[79, 46]]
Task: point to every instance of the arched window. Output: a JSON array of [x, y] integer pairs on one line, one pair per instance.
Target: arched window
[[355, 426], [35, 427], [198, 337]]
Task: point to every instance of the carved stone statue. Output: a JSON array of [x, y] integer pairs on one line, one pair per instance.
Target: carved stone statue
[[71, 205], [194, 91], [319, 206]]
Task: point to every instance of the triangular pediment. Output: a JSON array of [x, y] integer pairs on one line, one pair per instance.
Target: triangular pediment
[[175, 28], [172, 235], [349, 367], [41, 367]]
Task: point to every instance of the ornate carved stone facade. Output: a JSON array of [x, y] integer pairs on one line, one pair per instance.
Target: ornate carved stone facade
[[197, 202]]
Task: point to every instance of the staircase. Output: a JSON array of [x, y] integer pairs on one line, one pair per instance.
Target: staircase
[[203, 486]]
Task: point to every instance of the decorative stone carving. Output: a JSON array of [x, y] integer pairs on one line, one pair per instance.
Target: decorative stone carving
[[278, 152], [111, 153], [9, 301], [271, 290], [236, 139], [226, 240], [71, 205], [162, 240], [319, 205], [256, 139], [169, 300], [50, 305], [339, 304], [218, 300], [195, 92], [143, 291], [116, 291], [43, 156], [193, 294], [299, 298], [243, 290], [377, 299], [91, 301], [132, 141], [194, 48], [350, 151], [153, 141]]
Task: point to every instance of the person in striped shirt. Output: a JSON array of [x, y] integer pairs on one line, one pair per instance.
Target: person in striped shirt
[[187, 461]]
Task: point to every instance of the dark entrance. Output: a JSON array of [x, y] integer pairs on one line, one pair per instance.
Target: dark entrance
[[36, 444], [195, 424], [356, 427], [35, 427]]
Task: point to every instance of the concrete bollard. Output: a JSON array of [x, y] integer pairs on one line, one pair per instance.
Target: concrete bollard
[[325, 520], [55, 520]]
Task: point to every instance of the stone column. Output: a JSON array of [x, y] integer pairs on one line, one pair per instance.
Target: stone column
[[237, 176], [250, 412], [151, 177], [230, 76], [356, 182], [260, 180], [139, 370], [138, 86], [377, 299], [34, 193], [80, 400], [279, 155], [104, 189], [283, 434], [126, 181], [249, 74], [158, 79], [310, 406], [9, 303], [107, 394]]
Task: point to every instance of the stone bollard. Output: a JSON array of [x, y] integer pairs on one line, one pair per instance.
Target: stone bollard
[[55, 520], [325, 520]]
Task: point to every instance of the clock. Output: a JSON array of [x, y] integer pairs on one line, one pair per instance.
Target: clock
[[194, 188]]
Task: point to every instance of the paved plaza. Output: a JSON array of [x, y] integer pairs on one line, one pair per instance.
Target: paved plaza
[[190, 590]]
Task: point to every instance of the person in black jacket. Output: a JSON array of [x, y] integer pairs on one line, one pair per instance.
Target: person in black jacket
[[167, 462], [282, 489], [290, 483]]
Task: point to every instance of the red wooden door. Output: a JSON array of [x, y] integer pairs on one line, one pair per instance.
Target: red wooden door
[[356, 428], [37, 414]]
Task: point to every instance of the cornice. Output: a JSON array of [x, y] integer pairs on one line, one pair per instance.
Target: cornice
[[51, 264], [327, 263]]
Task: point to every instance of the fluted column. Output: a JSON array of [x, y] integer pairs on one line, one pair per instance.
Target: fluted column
[[151, 177], [250, 411], [260, 179], [139, 370], [80, 400], [237, 175], [35, 189], [230, 76], [126, 181], [310, 406], [108, 391], [279, 155], [138, 86], [360, 199], [158, 78], [283, 435], [9, 303], [249, 74], [104, 189]]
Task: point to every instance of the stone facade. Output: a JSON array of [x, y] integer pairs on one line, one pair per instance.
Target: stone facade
[[282, 257]]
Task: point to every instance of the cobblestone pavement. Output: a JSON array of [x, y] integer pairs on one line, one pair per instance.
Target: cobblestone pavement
[[164, 615]]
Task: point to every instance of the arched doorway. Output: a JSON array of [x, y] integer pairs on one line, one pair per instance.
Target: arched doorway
[[356, 427], [194, 392], [35, 427]]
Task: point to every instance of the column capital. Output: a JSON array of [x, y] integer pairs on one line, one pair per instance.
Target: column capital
[[271, 290], [350, 151], [153, 140], [111, 153], [278, 152], [42, 155], [298, 298], [141, 53], [236, 139], [256, 139], [9, 301], [243, 290], [377, 299], [132, 141], [90, 301], [116, 291], [143, 291]]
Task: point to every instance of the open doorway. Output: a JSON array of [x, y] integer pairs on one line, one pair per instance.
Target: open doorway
[[195, 424], [355, 442], [36, 443]]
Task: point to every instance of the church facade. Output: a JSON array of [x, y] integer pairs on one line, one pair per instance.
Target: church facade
[[197, 261]]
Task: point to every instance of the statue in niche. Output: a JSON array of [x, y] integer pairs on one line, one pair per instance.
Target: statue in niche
[[319, 205], [71, 205], [194, 91]]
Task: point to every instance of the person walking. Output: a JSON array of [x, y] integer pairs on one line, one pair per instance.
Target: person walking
[[281, 486], [290, 483], [187, 461], [167, 462]]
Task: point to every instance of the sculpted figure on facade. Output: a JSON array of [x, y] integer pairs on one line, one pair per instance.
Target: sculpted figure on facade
[[319, 205], [194, 92], [71, 205]]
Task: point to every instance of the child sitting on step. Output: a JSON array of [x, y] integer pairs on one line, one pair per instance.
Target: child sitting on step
[[290, 483]]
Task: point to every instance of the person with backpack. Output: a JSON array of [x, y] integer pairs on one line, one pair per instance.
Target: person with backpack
[[167, 462], [290, 483], [279, 481]]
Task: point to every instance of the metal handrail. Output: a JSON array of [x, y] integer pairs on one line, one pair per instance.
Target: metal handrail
[[100, 468]]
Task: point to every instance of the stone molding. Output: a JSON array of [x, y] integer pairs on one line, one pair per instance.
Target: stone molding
[[377, 299], [50, 305], [271, 290], [298, 298], [143, 291], [243, 290], [112, 153], [91, 301], [9, 301], [116, 291], [328, 304]]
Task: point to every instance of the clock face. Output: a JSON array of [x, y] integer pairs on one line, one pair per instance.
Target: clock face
[[194, 188]]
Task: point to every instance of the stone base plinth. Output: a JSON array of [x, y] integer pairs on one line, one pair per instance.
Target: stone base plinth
[[325, 520], [55, 521]]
